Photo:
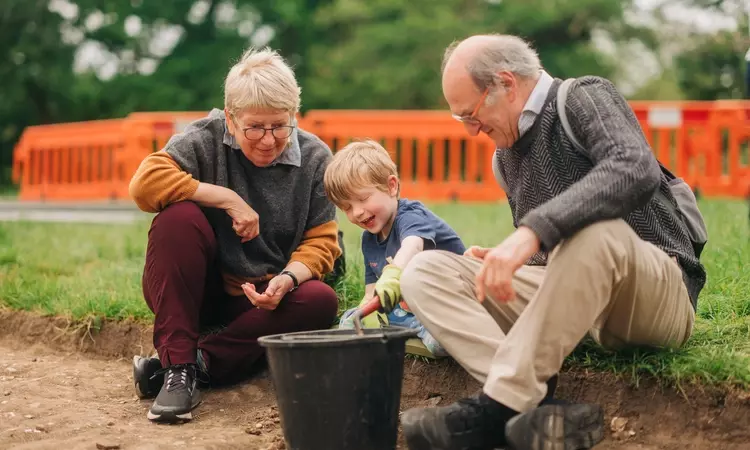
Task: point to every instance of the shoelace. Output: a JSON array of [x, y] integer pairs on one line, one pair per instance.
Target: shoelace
[[177, 376]]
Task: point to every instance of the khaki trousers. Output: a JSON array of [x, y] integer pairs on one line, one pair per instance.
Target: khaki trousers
[[604, 281]]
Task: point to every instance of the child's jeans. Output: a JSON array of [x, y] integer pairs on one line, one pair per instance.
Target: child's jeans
[[401, 318]]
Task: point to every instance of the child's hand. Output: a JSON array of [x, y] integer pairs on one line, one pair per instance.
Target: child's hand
[[388, 287]]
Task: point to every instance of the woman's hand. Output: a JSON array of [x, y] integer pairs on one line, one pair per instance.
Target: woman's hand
[[245, 221], [244, 218], [277, 288]]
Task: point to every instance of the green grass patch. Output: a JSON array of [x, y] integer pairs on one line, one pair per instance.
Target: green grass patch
[[95, 270]]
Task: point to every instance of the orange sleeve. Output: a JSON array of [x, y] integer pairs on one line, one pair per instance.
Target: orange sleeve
[[159, 182], [319, 248]]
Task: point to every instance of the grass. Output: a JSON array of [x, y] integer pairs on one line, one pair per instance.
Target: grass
[[94, 270]]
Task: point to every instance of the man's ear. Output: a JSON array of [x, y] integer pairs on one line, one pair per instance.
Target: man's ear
[[507, 83]]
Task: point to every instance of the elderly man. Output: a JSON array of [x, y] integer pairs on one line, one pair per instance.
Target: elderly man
[[594, 251]]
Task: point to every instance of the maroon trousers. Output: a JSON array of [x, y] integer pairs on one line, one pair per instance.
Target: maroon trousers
[[182, 285]]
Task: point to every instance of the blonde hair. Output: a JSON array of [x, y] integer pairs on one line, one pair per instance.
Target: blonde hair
[[263, 80], [360, 164]]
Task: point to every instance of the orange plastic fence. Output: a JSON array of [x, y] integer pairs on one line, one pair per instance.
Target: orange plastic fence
[[704, 142]]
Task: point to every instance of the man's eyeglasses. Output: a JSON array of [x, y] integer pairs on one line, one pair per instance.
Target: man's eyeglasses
[[471, 120], [257, 133]]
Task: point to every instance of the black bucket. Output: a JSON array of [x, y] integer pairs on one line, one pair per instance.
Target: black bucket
[[337, 390]]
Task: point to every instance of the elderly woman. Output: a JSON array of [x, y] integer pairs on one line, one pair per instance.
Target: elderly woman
[[243, 235]]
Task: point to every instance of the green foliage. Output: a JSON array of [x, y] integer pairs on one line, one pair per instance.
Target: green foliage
[[387, 54], [713, 67]]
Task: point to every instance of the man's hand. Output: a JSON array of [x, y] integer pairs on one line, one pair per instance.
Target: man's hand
[[500, 263], [279, 286], [244, 220], [388, 287], [477, 252]]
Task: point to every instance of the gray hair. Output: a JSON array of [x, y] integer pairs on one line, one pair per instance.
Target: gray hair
[[261, 79], [501, 52]]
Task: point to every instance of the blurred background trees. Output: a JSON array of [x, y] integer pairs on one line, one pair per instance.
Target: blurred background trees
[[71, 60]]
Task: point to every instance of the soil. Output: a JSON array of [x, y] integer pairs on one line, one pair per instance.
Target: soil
[[69, 386]]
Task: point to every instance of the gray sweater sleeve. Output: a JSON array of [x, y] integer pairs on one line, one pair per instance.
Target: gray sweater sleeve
[[625, 173]]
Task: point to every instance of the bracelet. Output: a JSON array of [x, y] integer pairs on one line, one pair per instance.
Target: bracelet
[[293, 277]]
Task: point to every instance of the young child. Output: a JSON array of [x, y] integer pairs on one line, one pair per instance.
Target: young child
[[362, 181]]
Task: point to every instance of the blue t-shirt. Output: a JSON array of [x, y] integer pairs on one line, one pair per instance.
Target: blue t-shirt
[[412, 219]]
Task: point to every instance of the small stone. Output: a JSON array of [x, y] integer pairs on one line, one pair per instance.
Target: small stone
[[42, 428], [276, 420], [31, 430], [28, 416], [3, 402], [122, 402], [108, 446], [6, 393], [110, 423], [253, 432], [11, 369], [618, 424], [258, 425], [221, 410], [33, 360]]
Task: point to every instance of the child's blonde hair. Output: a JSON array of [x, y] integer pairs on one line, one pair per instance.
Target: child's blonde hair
[[360, 164]]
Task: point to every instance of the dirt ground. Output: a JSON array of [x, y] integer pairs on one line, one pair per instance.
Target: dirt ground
[[70, 387]]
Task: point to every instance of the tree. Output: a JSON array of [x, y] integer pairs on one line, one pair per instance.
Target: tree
[[387, 53], [713, 67]]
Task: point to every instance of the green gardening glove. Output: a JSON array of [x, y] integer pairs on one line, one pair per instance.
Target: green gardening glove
[[388, 287]]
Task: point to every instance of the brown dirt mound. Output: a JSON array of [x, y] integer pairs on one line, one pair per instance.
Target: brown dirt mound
[[68, 384]]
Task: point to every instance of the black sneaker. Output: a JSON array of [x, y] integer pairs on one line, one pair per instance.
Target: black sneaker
[[178, 396], [472, 423], [147, 382], [557, 427]]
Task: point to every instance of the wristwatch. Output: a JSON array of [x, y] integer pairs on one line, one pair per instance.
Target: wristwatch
[[293, 277]]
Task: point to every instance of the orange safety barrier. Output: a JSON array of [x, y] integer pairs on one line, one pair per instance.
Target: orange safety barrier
[[704, 142], [78, 157], [436, 158]]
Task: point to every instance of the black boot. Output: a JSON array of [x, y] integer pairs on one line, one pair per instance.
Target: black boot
[[556, 427], [178, 396], [476, 422]]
